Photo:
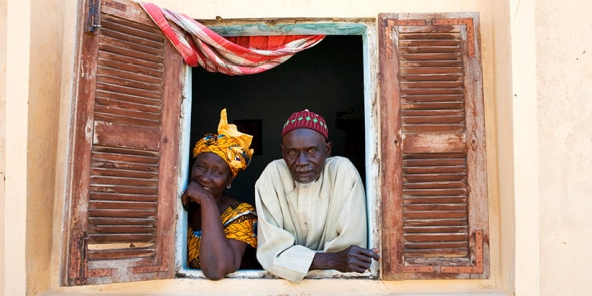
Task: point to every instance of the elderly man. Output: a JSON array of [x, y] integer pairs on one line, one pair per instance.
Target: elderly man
[[311, 207]]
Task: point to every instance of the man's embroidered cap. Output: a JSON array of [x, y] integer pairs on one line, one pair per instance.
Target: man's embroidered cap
[[306, 119]]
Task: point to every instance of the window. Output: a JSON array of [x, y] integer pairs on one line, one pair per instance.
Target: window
[[327, 78], [130, 132]]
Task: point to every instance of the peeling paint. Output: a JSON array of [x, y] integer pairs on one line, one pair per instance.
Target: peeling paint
[[289, 27]]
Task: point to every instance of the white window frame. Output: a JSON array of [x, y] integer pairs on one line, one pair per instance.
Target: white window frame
[[367, 29]]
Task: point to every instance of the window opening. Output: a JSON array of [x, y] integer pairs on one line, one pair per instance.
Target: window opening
[[328, 79]]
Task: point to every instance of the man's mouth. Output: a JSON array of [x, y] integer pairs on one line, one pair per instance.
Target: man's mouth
[[304, 176], [303, 173]]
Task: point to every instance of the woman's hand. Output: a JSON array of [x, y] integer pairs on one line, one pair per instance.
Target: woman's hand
[[195, 193]]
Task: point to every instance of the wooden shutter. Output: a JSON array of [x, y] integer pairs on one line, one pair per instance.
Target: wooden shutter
[[126, 143], [434, 182]]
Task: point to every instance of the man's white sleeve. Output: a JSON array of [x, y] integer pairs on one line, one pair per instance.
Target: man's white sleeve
[[349, 210], [275, 247]]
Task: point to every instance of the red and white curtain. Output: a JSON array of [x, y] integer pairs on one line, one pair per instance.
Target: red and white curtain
[[201, 46]]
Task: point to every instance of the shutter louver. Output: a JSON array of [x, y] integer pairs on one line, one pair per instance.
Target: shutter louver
[[126, 150], [434, 185]]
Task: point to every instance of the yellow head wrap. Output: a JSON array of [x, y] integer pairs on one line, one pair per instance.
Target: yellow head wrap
[[230, 144]]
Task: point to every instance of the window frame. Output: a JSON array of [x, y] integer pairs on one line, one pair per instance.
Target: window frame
[[364, 27]]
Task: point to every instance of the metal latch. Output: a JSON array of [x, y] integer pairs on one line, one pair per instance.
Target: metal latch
[[93, 16]]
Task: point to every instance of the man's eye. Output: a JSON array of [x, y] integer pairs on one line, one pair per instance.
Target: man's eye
[[292, 153], [312, 151]]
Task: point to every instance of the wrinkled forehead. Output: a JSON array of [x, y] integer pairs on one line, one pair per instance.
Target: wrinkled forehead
[[303, 138]]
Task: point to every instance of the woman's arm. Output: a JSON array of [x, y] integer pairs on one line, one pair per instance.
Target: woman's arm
[[218, 255]]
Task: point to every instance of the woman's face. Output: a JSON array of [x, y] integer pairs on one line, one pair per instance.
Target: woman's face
[[211, 172]]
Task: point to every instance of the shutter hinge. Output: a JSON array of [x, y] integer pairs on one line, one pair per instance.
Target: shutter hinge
[[81, 245], [93, 16]]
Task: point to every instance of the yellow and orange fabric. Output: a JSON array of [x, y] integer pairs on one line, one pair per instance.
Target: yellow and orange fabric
[[230, 144], [238, 221]]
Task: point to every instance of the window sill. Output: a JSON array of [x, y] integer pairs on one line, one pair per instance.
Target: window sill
[[259, 282], [262, 274], [254, 287]]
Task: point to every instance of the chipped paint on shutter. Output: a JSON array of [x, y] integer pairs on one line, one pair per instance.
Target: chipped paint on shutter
[[126, 150], [434, 195]]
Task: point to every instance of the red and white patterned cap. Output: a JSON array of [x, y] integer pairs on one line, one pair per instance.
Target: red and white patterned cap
[[306, 119]]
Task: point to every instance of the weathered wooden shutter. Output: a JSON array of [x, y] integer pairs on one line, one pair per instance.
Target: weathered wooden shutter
[[126, 143], [434, 179]]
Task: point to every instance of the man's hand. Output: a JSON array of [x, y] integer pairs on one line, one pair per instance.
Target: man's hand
[[352, 259]]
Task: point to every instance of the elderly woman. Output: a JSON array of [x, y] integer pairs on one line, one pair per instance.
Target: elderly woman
[[220, 227]]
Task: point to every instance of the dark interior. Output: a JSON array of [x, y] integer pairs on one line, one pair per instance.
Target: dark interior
[[326, 79]]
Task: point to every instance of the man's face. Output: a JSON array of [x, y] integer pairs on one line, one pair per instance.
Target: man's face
[[305, 151]]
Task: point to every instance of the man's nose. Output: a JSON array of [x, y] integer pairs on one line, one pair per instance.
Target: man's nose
[[301, 159]]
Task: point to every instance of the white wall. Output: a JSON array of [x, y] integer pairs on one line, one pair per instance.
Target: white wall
[[2, 132], [524, 148], [17, 98], [564, 90]]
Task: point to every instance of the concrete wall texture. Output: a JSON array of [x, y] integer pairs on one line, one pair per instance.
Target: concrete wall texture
[[564, 91], [537, 78]]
